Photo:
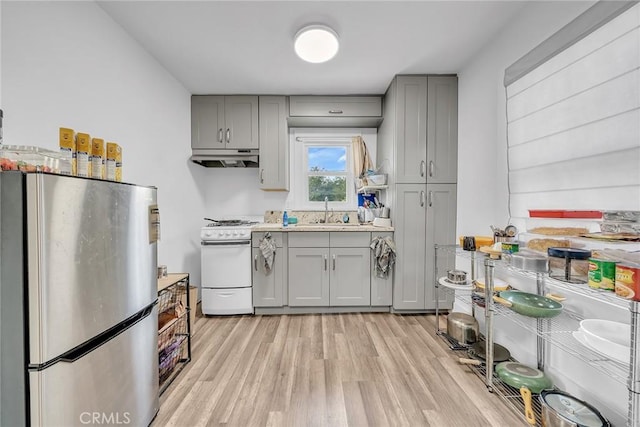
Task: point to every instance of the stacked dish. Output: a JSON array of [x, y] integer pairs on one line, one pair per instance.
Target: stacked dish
[[605, 337]]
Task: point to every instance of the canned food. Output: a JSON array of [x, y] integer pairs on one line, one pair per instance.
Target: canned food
[[602, 274], [510, 248], [628, 281]]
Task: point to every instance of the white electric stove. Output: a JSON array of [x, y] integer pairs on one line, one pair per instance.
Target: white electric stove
[[226, 266]]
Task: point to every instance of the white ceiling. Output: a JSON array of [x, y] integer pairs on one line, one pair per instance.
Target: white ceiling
[[234, 47]]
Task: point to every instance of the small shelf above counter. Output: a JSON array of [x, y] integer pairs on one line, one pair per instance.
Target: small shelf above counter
[[369, 189]]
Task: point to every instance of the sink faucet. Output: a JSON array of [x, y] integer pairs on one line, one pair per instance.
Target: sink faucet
[[326, 208]]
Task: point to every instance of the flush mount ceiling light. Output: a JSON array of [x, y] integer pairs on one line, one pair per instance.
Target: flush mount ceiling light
[[316, 43]]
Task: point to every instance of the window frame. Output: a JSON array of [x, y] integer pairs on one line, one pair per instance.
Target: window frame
[[300, 167]]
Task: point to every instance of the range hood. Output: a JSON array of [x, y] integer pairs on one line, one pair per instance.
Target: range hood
[[212, 158]]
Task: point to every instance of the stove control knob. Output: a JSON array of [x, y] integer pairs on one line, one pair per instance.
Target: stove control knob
[[235, 233], [228, 233], [207, 233]]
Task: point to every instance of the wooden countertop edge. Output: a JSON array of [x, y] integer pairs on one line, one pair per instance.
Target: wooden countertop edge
[[170, 279]]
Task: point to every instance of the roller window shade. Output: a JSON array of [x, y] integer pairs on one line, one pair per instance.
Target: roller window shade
[[573, 124]]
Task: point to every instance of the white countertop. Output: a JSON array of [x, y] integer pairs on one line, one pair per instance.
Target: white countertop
[[318, 227]]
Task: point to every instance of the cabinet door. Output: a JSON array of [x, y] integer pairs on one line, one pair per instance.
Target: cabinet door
[[336, 106], [381, 289], [241, 122], [441, 229], [410, 226], [308, 277], [207, 121], [442, 130], [267, 287], [274, 143], [411, 129], [350, 278]]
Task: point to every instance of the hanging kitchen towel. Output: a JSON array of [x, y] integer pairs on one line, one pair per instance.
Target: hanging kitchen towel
[[384, 250], [361, 158], [268, 251]]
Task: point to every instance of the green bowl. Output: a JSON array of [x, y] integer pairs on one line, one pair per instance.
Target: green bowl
[[532, 305]]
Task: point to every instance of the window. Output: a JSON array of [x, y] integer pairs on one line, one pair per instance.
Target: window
[[322, 166], [327, 172]]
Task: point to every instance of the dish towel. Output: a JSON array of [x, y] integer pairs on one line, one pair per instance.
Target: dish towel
[[384, 249], [268, 251]]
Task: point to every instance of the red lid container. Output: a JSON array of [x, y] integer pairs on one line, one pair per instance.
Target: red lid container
[[543, 213]]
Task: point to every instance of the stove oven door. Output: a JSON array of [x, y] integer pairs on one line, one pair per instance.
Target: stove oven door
[[226, 277]]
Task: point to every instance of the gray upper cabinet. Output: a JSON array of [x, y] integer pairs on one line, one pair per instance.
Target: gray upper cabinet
[[219, 122], [411, 129], [442, 130], [274, 143], [207, 122], [425, 128], [441, 229], [333, 106], [335, 111]]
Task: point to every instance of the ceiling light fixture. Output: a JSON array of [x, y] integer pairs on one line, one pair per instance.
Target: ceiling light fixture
[[316, 43]]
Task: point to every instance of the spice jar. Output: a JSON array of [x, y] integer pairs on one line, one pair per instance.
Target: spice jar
[[569, 264]]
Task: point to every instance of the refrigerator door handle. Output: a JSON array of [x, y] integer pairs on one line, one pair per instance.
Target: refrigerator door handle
[[95, 342]]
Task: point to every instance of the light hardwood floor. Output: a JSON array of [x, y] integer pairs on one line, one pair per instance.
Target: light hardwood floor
[[327, 370]]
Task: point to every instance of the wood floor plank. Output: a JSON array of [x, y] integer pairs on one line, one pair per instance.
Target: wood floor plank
[[369, 369]]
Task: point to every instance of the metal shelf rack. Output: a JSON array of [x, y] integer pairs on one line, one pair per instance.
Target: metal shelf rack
[[555, 331]]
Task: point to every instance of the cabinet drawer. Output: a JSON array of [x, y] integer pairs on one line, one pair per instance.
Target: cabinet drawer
[[275, 236], [309, 240], [350, 239], [335, 106]]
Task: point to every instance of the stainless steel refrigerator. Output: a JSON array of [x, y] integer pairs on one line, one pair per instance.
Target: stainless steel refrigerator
[[78, 301]]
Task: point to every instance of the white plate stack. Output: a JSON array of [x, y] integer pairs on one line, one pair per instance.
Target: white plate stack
[[608, 338]]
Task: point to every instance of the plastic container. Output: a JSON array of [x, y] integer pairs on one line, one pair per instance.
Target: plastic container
[[569, 264], [33, 159], [377, 179]]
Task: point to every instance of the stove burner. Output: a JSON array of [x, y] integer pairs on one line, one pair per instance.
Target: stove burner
[[228, 222]]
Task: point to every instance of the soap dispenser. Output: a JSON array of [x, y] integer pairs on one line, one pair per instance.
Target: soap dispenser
[[285, 219]]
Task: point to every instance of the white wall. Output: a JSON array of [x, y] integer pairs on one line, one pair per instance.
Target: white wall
[[67, 64], [482, 165], [483, 193]]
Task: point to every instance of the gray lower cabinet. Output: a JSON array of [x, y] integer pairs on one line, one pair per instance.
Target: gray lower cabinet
[[441, 229], [329, 269], [349, 281], [381, 288], [269, 287], [274, 143], [308, 277], [425, 215]]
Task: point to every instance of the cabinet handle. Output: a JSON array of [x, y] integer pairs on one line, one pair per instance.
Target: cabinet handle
[[431, 168], [261, 176], [334, 262], [430, 198], [255, 262], [335, 111], [422, 199], [422, 168], [325, 263], [220, 135], [228, 135]]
